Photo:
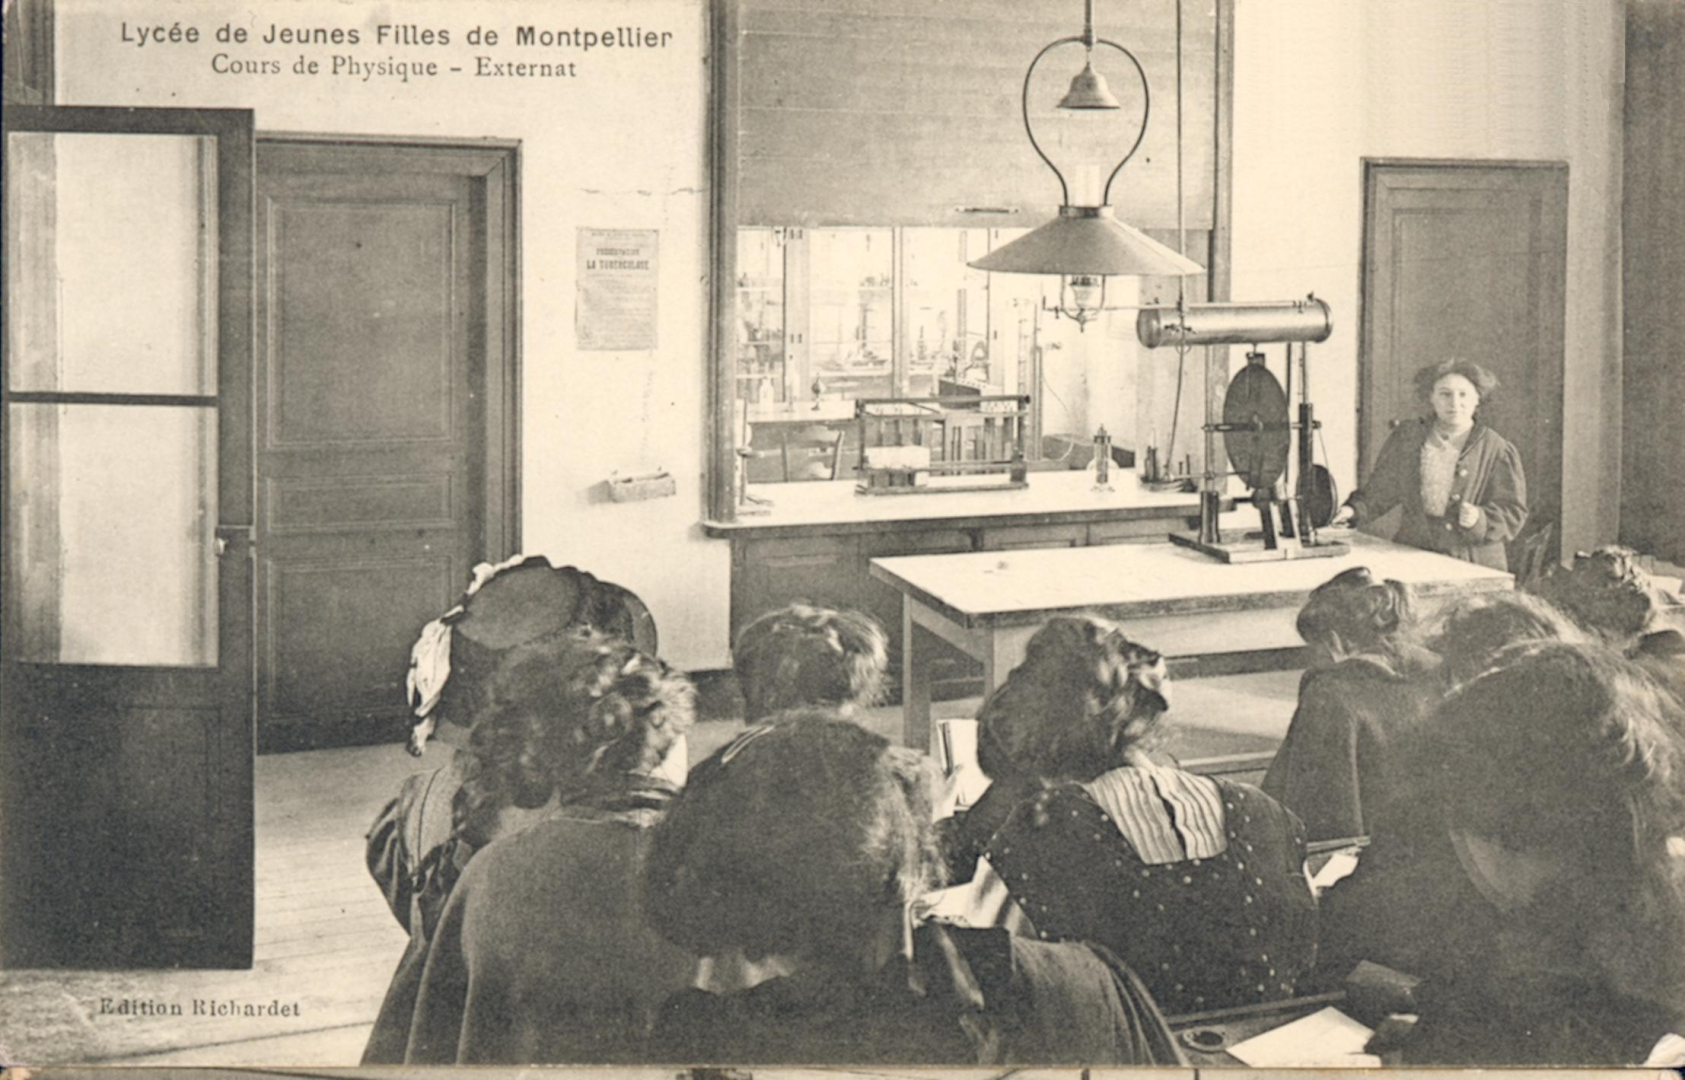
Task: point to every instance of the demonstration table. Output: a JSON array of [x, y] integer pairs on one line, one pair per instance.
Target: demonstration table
[[1170, 598]]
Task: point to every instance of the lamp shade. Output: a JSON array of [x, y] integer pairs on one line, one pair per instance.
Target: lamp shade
[[1089, 91], [1088, 240]]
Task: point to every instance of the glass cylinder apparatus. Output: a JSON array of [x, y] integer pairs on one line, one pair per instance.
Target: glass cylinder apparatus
[[1102, 460], [1088, 296]]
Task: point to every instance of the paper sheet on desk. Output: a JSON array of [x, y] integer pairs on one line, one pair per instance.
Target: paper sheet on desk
[[981, 902], [1339, 865], [1328, 1038]]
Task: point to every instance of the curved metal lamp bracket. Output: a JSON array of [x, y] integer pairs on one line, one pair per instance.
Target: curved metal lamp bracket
[[1146, 111]]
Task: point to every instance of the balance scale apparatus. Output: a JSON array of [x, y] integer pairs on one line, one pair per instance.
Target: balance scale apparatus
[[1256, 428]]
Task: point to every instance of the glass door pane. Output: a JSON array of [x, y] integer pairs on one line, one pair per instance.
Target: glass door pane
[[111, 398], [110, 534], [111, 263]]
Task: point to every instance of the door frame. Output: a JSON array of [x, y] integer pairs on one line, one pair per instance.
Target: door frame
[[497, 376], [1366, 319]]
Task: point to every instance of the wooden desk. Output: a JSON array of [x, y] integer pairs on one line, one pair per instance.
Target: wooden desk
[[1177, 601]]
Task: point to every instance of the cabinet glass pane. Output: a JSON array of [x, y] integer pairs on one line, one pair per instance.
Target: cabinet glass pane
[[111, 263], [1024, 341], [760, 316], [110, 547], [947, 312], [851, 310]]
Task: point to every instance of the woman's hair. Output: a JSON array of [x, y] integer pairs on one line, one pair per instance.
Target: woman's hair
[[1571, 751], [793, 839], [1473, 628], [1484, 381], [1083, 696], [1365, 615], [802, 655], [1605, 591], [574, 714]]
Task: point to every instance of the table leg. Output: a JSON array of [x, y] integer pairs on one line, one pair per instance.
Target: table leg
[[918, 647], [1003, 650]]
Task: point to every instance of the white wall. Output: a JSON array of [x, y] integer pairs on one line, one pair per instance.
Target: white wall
[[1321, 84], [620, 145]]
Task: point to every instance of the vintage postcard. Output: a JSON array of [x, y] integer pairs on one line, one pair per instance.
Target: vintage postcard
[[358, 351]]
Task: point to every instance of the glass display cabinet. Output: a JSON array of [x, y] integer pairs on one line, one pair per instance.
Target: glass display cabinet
[[829, 316]]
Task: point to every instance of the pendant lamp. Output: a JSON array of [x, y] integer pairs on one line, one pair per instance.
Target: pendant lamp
[[1085, 245]]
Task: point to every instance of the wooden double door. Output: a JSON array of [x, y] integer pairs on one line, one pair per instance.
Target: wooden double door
[[258, 401]]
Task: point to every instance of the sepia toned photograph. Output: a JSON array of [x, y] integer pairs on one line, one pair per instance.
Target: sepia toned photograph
[[801, 539]]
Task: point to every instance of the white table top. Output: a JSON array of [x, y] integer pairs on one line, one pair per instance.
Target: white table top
[[1024, 587], [1066, 495]]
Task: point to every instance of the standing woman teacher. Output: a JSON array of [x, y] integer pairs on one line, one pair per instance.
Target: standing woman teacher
[[1459, 482]]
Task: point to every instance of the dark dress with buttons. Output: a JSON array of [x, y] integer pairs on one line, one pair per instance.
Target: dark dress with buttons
[[1488, 477], [1234, 929]]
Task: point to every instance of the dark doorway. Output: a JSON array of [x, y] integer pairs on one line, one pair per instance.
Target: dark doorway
[[386, 416], [1467, 259]]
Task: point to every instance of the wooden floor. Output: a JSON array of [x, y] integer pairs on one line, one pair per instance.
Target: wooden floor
[[325, 941]]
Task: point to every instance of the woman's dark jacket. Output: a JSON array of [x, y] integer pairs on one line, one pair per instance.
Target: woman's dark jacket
[[1339, 754], [1488, 477], [541, 954], [1410, 906]]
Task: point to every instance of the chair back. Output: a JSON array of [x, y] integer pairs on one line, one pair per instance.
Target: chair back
[[813, 452], [1530, 552]]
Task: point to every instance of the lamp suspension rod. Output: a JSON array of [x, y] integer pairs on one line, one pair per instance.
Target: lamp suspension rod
[[1029, 132], [1146, 114], [1181, 249], [1088, 25], [1181, 212]]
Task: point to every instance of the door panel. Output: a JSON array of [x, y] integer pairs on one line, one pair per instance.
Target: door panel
[[371, 460], [125, 695], [365, 309], [1468, 260], [358, 600]]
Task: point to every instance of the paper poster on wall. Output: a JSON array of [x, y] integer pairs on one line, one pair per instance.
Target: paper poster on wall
[[616, 304]]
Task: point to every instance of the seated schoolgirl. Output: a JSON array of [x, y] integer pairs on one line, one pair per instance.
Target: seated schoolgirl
[[803, 845], [1610, 593], [1197, 883], [1365, 686], [512, 615], [1549, 926], [541, 954], [1470, 631], [804, 655], [796, 658]]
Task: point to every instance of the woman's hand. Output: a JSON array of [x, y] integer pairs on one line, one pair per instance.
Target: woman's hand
[[1467, 514], [1342, 517]]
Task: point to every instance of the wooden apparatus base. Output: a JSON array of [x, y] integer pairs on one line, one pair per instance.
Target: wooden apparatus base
[[1239, 547]]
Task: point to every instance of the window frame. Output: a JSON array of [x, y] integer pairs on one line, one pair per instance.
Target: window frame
[[723, 464]]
